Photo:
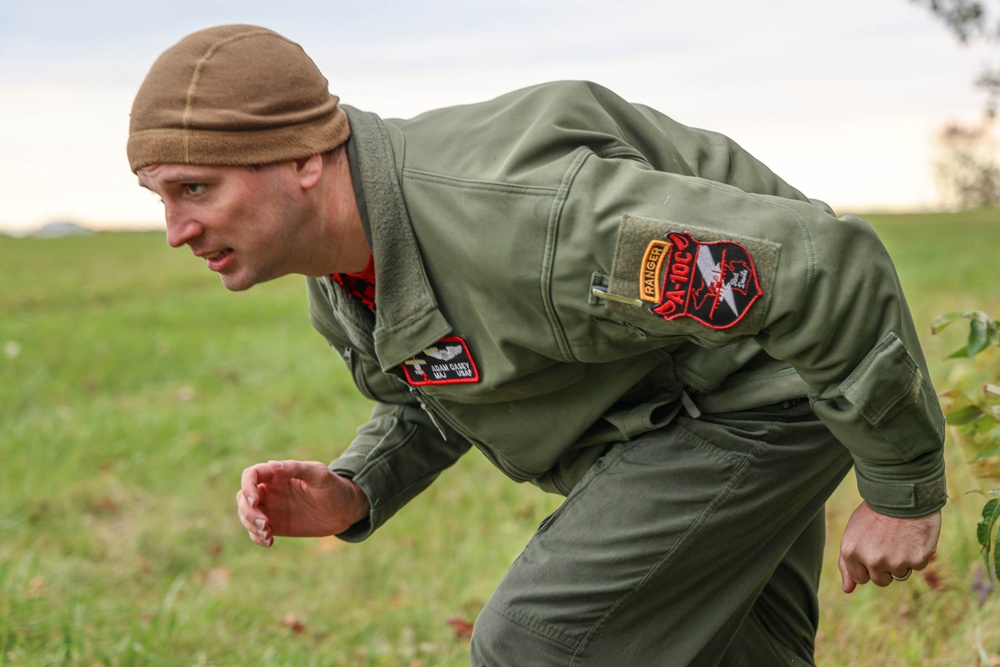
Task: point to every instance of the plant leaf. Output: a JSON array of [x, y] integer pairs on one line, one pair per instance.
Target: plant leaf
[[984, 534], [996, 556], [981, 427], [955, 400], [987, 455], [966, 415], [942, 321], [979, 337], [984, 531], [983, 331]]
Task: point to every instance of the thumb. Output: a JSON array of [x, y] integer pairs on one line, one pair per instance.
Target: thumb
[[846, 581]]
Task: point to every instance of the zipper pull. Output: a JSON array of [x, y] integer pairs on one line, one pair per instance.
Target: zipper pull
[[434, 420], [430, 413]]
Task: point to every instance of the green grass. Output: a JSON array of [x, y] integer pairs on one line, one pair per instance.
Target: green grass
[[134, 389]]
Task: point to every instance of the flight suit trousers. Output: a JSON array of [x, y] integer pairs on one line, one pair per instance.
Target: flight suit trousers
[[700, 543]]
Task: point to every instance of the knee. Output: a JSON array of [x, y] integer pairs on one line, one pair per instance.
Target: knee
[[500, 642], [489, 636]]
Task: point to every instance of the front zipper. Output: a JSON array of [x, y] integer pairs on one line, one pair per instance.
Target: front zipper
[[430, 413], [435, 413]]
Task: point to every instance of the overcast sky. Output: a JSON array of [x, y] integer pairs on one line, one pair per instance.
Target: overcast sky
[[841, 98]]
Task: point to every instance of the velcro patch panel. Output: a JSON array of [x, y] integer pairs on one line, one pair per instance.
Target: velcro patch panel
[[683, 273]]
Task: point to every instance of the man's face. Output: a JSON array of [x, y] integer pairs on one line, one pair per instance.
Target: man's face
[[246, 223]]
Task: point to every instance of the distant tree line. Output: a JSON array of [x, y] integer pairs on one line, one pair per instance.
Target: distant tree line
[[972, 21], [967, 168]]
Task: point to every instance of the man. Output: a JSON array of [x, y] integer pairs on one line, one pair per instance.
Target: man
[[615, 307]]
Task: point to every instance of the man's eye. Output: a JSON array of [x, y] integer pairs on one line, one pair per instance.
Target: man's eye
[[194, 188]]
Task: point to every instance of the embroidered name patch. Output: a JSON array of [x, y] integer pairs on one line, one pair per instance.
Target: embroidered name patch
[[714, 282], [448, 362]]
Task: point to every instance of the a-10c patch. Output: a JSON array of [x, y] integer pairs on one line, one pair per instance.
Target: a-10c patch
[[448, 362], [690, 277], [713, 282]]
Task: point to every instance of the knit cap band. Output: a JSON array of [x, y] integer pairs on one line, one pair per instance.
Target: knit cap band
[[233, 95]]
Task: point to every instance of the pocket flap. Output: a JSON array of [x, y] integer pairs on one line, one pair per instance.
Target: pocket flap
[[885, 381]]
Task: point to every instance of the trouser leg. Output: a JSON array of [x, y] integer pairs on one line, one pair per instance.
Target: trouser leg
[[780, 628], [661, 553]]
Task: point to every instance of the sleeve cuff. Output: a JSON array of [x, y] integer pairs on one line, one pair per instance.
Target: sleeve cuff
[[903, 499], [363, 529]]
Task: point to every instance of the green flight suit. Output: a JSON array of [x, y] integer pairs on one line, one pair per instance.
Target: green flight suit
[[579, 287]]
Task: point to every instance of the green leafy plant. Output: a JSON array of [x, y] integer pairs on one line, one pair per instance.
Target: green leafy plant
[[983, 331], [986, 532], [975, 418]]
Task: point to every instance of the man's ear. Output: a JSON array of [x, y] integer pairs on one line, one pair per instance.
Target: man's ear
[[309, 171]]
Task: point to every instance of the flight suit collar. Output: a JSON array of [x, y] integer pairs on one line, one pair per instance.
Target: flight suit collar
[[407, 317]]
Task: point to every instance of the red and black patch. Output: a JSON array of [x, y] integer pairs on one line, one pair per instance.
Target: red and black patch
[[448, 362], [714, 283]]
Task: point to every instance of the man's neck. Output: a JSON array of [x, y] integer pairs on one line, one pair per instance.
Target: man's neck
[[349, 244]]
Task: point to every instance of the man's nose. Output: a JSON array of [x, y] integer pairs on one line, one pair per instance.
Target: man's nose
[[180, 228]]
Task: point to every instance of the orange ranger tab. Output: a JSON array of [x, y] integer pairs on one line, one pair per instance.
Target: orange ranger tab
[[652, 262]]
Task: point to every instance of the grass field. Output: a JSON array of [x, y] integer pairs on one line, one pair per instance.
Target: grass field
[[134, 389]]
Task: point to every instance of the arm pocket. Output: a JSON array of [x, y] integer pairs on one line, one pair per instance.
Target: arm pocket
[[884, 382], [890, 392]]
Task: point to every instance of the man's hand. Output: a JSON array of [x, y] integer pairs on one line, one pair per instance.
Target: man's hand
[[877, 548], [297, 499]]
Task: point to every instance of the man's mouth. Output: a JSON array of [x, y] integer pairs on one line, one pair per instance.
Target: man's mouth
[[218, 261]]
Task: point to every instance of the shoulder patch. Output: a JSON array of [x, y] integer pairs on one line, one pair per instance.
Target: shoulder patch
[[713, 282], [448, 362], [683, 273]]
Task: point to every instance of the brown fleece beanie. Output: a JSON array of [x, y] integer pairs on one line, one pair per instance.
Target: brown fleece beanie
[[233, 95]]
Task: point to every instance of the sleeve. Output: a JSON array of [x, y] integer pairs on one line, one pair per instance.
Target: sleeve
[[395, 456], [704, 262]]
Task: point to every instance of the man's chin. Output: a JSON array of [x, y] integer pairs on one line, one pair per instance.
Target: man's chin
[[240, 282], [236, 284]]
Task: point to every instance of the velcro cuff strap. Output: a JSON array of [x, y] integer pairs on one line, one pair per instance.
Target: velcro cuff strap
[[903, 500], [895, 496]]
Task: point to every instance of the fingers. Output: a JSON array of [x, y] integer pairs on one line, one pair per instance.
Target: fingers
[[854, 573], [280, 497], [883, 549], [253, 520], [251, 479], [248, 502], [254, 478], [310, 472], [847, 582], [254, 484]]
